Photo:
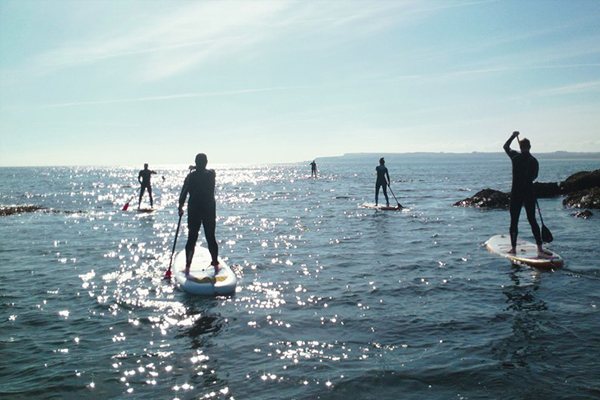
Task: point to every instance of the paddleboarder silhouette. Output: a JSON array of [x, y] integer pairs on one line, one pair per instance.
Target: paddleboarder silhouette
[[525, 168], [313, 169], [382, 173], [144, 180], [200, 184]]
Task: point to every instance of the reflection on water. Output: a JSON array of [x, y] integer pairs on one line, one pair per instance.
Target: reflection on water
[[334, 301]]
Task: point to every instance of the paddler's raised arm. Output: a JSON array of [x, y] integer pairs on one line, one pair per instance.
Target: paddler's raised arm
[[512, 137]]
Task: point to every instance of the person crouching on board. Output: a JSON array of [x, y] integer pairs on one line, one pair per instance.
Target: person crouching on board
[[525, 168], [200, 184], [382, 173]]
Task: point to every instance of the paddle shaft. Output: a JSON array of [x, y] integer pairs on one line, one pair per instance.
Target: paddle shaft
[[392, 192], [126, 206], [168, 273]]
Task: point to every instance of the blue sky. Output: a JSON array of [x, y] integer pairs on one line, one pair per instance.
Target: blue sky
[[127, 82]]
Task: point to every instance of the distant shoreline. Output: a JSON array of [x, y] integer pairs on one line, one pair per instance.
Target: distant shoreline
[[557, 155]]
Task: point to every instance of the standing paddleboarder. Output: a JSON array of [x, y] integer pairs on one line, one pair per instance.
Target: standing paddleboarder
[[525, 168], [144, 180], [200, 184], [313, 169], [382, 173]]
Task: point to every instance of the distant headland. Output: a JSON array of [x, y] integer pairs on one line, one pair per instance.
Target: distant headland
[[557, 155]]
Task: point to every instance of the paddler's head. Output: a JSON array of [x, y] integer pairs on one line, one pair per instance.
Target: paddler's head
[[525, 145], [381, 161], [201, 161]]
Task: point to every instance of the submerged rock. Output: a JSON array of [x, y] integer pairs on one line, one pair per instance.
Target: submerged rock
[[486, 198], [12, 210], [583, 214], [581, 181], [588, 198]]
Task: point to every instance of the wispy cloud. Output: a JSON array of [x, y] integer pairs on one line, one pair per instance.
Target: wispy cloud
[[169, 44], [168, 97]]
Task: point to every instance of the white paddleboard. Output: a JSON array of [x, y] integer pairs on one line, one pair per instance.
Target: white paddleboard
[[202, 279], [381, 207], [526, 252]]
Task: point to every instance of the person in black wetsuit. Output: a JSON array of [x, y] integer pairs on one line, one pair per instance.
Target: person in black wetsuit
[[525, 168], [313, 169], [200, 184], [144, 180], [382, 173]]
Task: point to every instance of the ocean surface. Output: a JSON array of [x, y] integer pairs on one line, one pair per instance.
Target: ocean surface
[[334, 301]]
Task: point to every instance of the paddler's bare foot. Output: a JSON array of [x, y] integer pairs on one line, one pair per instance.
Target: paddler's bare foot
[[543, 252], [512, 251], [187, 270], [216, 265]]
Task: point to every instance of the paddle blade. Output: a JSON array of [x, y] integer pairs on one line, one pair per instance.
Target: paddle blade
[[167, 274], [125, 207], [546, 234]]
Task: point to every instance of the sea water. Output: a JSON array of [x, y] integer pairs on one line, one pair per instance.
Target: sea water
[[334, 301]]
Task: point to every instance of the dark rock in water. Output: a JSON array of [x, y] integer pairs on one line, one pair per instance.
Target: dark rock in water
[[589, 198], [581, 181], [12, 210], [486, 198], [546, 190], [583, 214]]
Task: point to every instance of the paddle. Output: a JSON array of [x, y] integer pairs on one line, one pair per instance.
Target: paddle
[[168, 273], [546, 234], [392, 192], [126, 206]]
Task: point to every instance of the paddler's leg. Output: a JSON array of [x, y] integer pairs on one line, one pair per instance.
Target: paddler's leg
[[535, 228], [209, 232], [515, 211], [377, 185], [387, 199], [193, 229], [150, 194], [142, 190]]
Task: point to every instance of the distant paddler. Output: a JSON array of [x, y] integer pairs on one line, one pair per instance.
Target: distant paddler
[[313, 169], [200, 184], [383, 179], [144, 180]]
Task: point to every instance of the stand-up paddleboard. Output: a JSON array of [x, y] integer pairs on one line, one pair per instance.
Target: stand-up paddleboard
[[526, 252], [201, 279], [145, 210], [381, 207]]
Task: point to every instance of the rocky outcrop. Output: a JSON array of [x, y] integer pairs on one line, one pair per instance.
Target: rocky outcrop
[[486, 198], [583, 214], [545, 190], [22, 209], [581, 181], [12, 210], [582, 190], [588, 198]]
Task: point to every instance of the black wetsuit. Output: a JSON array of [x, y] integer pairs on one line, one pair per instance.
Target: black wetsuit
[[382, 172], [145, 182], [200, 184], [525, 169]]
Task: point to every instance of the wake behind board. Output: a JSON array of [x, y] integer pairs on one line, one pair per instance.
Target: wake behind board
[[526, 252], [381, 207], [201, 279]]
